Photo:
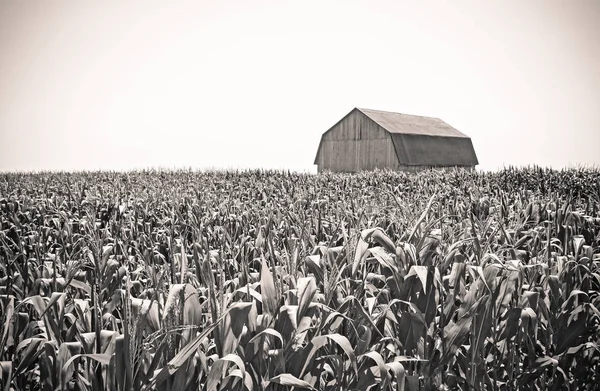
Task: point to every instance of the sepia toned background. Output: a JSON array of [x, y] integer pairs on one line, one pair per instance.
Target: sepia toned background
[[131, 84]]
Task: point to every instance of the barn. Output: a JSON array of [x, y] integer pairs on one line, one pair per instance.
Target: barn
[[368, 139]]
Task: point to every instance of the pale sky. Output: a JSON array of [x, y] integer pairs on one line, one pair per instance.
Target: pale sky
[[248, 84]]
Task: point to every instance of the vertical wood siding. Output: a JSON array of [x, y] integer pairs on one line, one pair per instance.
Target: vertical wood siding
[[354, 144], [438, 168]]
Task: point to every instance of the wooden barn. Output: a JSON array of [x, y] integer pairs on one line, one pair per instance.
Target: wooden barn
[[367, 139]]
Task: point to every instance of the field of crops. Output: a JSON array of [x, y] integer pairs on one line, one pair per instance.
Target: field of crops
[[274, 280]]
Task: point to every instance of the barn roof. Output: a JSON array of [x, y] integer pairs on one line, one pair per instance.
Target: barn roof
[[411, 124], [422, 141]]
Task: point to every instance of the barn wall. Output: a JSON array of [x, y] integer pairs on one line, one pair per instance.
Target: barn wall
[[406, 168], [356, 143]]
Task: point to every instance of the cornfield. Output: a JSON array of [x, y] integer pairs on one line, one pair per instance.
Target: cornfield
[[269, 280]]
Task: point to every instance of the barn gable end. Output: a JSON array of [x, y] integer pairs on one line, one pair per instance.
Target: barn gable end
[[356, 143]]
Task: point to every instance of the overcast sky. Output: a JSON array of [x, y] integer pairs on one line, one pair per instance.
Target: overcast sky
[[234, 84]]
